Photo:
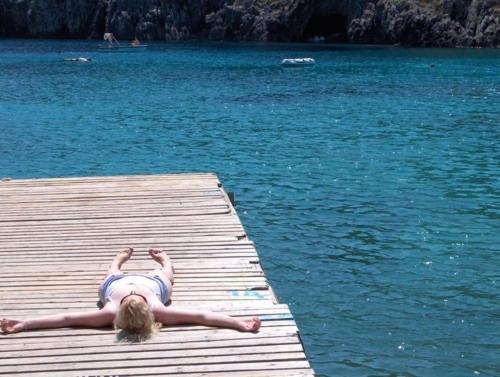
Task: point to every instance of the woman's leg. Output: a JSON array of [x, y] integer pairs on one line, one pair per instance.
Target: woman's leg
[[166, 272], [115, 268], [119, 259]]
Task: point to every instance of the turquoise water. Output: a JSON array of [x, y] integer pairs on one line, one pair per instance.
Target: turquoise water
[[370, 183]]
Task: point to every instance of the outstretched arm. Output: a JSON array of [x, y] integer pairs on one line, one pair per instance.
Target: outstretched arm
[[93, 319], [172, 316]]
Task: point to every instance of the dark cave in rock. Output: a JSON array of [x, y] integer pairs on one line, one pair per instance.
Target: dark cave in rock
[[328, 28]]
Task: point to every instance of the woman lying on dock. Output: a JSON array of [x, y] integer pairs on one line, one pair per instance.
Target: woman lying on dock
[[134, 303]]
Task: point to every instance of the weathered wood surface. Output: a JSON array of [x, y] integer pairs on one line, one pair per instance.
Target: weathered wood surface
[[57, 238]]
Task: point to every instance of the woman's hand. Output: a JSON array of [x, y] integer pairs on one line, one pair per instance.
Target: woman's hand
[[11, 326], [250, 325]]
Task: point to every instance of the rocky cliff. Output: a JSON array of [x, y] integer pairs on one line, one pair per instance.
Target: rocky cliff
[[442, 23]]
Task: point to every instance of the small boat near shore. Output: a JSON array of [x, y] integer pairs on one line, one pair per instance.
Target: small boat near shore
[[112, 44], [298, 62], [79, 60], [103, 47]]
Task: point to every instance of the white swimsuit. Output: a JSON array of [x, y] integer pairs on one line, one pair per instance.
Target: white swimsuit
[[152, 282]]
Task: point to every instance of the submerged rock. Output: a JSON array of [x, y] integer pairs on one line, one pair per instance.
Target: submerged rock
[[443, 23]]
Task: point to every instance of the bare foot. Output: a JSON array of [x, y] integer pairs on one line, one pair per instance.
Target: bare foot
[[250, 325], [159, 256], [123, 256]]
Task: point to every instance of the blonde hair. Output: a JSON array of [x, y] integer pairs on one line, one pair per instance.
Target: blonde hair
[[136, 320]]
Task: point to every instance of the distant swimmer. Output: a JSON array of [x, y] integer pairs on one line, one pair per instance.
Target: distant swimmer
[[80, 59], [135, 43]]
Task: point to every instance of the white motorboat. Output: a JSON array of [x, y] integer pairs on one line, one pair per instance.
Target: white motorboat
[[79, 60], [297, 62]]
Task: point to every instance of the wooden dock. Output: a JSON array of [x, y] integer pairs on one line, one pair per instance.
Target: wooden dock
[[57, 239]]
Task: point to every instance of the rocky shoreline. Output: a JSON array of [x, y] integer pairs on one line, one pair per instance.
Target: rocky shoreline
[[428, 23]]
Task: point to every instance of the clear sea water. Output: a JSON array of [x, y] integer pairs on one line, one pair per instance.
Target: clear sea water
[[370, 183]]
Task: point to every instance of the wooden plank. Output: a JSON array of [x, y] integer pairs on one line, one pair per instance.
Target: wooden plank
[[111, 207], [101, 343], [179, 258], [114, 179], [221, 240], [186, 281], [94, 284], [177, 297], [141, 253], [145, 359], [115, 232], [118, 214], [181, 285], [145, 193], [118, 182], [288, 372], [97, 196], [73, 337], [10, 355], [181, 273], [216, 306], [199, 245], [107, 188], [57, 294], [251, 366], [146, 353], [125, 221], [185, 262], [268, 310]]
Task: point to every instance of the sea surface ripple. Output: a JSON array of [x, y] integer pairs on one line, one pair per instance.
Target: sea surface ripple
[[370, 182]]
